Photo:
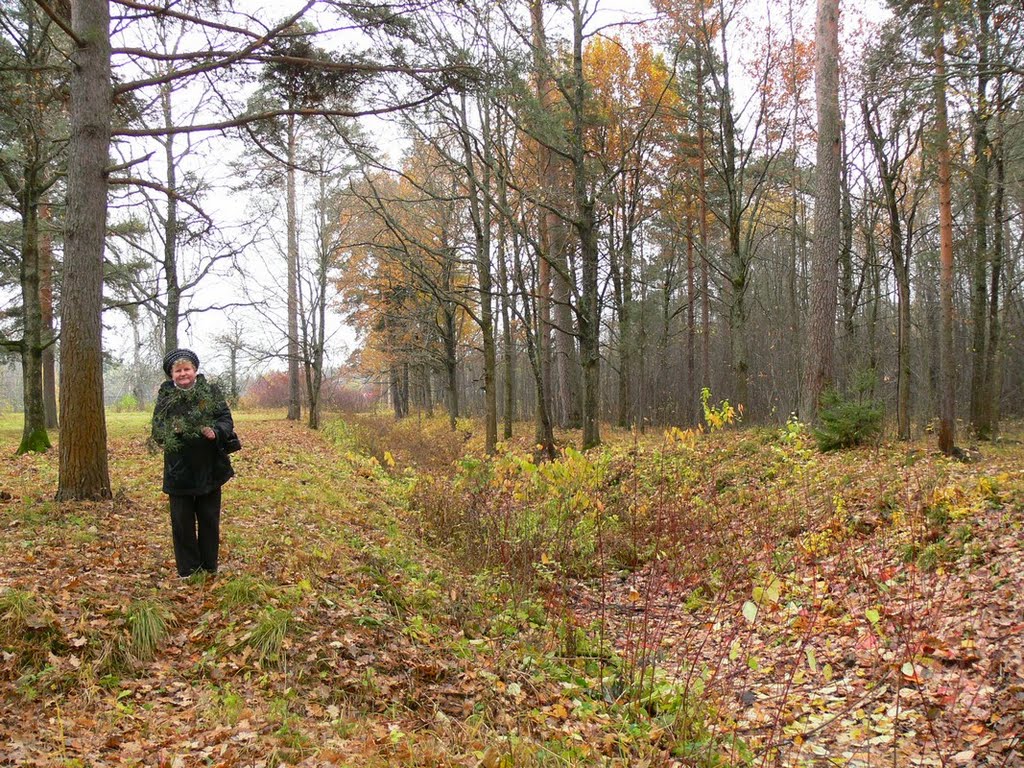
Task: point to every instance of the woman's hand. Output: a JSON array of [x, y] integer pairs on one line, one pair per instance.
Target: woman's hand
[[208, 433]]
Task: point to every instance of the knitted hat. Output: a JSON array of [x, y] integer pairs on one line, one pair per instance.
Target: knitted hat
[[180, 354]]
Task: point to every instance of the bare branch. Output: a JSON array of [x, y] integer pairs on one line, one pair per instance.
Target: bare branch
[[60, 21], [244, 120]]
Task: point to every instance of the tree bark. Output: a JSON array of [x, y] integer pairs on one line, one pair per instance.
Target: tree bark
[[83, 469], [172, 315], [34, 437], [481, 219], [294, 391], [589, 317], [547, 229], [993, 352], [981, 411], [947, 364], [46, 304], [819, 373]]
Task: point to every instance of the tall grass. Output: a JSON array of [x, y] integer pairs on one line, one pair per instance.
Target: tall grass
[[149, 622]]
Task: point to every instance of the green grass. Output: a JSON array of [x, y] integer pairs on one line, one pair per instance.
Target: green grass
[[242, 591], [267, 637], [149, 622], [120, 424]]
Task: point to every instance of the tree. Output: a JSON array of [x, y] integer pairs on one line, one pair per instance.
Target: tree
[[83, 472], [29, 169], [893, 120], [83, 457], [818, 375], [947, 362], [636, 113]]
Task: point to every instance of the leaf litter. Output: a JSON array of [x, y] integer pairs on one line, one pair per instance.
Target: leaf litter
[[854, 649]]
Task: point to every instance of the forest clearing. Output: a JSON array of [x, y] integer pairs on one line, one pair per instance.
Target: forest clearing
[[390, 597]]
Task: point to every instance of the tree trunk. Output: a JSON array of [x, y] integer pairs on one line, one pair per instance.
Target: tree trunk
[[294, 391], [315, 376], [34, 437], [947, 363], [172, 316], [690, 389], [543, 358], [83, 472], [46, 303], [702, 231], [508, 347], [981, 412], [508, 350], [889, 176], [563, 374], [993, 371], [819, 372], [738, 258], [620, 268], [586, 227], [480, 215], [451, 368]]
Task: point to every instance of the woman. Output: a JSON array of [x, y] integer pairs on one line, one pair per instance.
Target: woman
[[192, 422]]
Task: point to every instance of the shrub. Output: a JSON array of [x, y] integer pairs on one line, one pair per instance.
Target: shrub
[[844, 423], [126, 404]]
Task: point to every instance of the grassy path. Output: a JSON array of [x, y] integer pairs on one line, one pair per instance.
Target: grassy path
[[321, 640]]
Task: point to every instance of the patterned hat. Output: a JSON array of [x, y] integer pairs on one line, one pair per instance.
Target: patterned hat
[[180, 354]]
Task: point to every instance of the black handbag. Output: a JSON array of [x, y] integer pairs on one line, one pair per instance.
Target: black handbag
[[232, 443]]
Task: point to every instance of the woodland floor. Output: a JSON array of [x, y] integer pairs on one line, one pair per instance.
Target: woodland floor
[[870, 615]]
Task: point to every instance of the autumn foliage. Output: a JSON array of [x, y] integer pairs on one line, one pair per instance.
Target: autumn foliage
[[692, 598]]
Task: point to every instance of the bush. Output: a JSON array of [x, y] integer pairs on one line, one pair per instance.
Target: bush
[[845, 423], [126, 404]]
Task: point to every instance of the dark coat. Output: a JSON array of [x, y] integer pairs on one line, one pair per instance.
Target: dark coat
[[193, 465]]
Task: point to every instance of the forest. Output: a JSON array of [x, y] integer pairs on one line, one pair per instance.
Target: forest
[[549, 213], [619, 383]]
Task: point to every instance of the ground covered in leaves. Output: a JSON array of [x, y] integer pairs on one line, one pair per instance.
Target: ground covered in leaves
[[387, 597]]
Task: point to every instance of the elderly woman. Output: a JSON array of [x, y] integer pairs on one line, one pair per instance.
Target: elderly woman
[[192, 422]]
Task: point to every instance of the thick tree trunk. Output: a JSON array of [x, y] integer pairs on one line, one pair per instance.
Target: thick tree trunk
[[737, 256], [819, 372], [83, 472]]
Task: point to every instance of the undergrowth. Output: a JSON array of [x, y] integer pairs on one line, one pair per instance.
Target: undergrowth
[[391, 596]]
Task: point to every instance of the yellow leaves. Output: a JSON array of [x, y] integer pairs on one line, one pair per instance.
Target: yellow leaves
[[682, 438], [559, 711], [770, 592], [717, 416]]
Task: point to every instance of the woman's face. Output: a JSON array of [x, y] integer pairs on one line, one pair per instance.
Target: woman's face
[[183, 373]]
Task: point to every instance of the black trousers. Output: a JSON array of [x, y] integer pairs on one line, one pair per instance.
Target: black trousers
[[195, 528]]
